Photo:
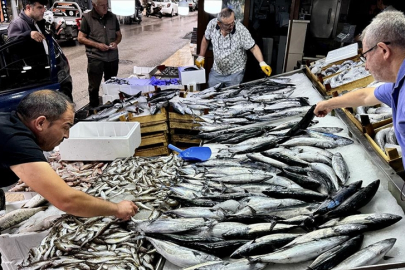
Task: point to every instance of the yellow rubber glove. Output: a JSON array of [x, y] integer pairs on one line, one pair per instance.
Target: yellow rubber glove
[[199, 62], [266, 68]]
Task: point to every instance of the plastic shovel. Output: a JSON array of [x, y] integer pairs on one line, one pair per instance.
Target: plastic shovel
[[194, 153]]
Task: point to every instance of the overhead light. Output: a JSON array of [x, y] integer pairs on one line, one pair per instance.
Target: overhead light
[[122, 7], [183, 8], [212, 6]]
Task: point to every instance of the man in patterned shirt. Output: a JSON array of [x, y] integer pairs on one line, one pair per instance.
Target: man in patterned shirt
[[230, 39]]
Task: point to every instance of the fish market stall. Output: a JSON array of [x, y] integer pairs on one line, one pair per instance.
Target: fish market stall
[[160, 185], [364, 164]]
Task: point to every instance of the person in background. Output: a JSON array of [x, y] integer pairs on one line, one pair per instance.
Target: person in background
[[40, 123], [30, 25], [100, 32], [230, 40], [384, 53], [30, 22]]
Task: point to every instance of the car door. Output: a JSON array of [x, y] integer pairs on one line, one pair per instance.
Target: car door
[[24, 69]]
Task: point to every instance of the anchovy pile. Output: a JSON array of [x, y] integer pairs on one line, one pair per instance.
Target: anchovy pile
[[90, 243], [141, 180], [87, 242]]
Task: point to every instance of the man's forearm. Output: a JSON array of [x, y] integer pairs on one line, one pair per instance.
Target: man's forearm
[[361, 97], [204, 46], [257, 53], [84, 40], [119, 38], [84, 205]]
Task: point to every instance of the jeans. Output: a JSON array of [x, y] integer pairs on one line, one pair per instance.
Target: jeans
[[231, 79], [95, 70]]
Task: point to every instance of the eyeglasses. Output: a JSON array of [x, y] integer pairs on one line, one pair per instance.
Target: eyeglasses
[[228, 25], [363, 55]]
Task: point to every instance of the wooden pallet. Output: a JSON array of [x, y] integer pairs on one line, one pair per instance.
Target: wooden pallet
[[152, 151], [176, 117], [149, 120], [154, 138]]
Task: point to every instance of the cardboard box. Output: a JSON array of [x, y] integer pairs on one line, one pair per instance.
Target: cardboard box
[[101, 141], [191, 77]]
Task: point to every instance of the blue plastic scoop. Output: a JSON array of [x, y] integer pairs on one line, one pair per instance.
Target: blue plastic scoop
[[195, 153]]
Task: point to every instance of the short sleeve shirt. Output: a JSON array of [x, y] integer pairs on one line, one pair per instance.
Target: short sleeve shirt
[[393, 94], [85, 28], [17, 146], [230, 50]]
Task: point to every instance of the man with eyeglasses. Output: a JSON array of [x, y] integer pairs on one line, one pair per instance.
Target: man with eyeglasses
[[230, 40], [384, 54], [100, 32]]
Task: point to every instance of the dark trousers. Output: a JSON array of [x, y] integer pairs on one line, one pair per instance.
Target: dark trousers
[[95, 70]]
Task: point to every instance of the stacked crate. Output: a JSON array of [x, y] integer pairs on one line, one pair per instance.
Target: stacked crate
[[154, 134], [183, 130]]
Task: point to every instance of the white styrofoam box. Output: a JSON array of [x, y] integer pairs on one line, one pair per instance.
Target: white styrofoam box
[[110, 89], [342, 53], [101, 141], [14, 248], [191, 77]]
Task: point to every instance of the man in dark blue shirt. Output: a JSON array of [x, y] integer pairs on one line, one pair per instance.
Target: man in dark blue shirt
[[384, 54]]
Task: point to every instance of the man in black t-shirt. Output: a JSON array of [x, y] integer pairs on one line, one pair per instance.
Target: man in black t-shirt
[[42, 121]]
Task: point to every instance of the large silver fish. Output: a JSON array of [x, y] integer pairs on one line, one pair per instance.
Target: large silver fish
[[368, 255], [181, 256]]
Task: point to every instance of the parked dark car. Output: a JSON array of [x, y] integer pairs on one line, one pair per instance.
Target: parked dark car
[[24, 70]]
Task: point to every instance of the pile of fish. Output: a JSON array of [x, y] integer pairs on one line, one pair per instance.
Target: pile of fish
[[137, 105], [90, 243], [268, 195], [141, 180], [346, 76], [218, 220], [348, 64], [374, 114], [104, 241], [385, 138], [79, 175]]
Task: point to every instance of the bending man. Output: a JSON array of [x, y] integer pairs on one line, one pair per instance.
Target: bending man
[[41, 122], [230, 39], [384, 53]]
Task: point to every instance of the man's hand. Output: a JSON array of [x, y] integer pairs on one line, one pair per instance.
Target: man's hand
[[37, 36], [322, 109], [126, 210], [266, 68], [102, 47], [199, 62], [113, 46]]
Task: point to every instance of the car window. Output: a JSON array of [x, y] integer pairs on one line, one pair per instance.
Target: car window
[[20, 67]]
